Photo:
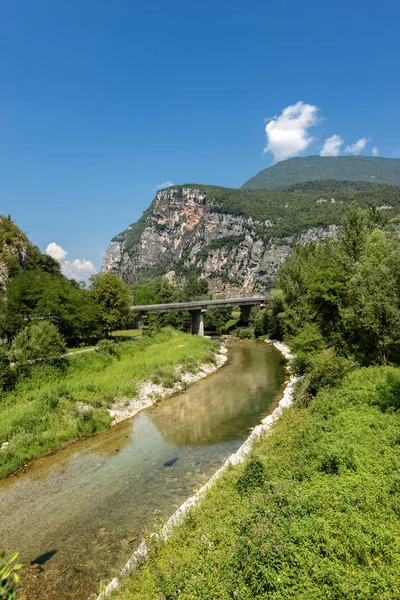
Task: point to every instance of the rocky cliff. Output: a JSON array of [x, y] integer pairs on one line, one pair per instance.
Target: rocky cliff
[[185, 231], [18, 253], [13, 248]]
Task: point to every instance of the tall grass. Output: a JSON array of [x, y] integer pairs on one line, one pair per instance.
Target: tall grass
[[59, 403]]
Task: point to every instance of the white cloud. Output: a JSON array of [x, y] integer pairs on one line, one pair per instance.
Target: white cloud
[[287, 134], [162, 186], [78, 269], [332, 146], [374, 151], [357, 147], [55, 251]]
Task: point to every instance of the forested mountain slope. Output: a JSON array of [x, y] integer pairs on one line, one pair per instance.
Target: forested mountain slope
[[316, 168], [236, 238]]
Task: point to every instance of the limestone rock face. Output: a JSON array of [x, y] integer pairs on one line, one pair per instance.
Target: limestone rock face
[[183, 232]]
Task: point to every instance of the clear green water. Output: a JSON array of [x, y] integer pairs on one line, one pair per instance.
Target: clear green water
[[79, 512]]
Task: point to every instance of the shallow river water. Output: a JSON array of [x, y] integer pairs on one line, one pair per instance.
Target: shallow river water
[[76, 515]]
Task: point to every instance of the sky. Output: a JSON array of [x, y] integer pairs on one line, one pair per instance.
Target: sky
[[102, 103]]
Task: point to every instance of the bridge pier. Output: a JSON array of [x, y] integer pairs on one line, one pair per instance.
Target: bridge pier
[[197, 321], [245, 314]]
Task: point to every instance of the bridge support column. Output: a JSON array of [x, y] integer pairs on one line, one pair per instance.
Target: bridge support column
[[245, 314], [197, 321], [140, 321]]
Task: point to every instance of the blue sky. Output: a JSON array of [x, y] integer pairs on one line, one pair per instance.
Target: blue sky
[[102, 101]]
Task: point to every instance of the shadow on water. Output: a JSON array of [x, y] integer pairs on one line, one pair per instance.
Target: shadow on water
[[171, 462], [93, 499], [43, 558]]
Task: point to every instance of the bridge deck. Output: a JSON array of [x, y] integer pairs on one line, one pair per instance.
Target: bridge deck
[[198, 305]]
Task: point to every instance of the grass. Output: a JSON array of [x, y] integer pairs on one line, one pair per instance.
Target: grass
[[313, 515], [127, 333], [69, 400], [79, 348]]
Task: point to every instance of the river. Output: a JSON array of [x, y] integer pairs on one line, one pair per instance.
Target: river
[[76, 515]]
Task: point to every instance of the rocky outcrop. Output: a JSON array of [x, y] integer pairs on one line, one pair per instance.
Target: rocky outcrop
[[184, 232], [13, 248]]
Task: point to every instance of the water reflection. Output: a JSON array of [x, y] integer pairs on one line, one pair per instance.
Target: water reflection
[[91, 502], [226, 404]]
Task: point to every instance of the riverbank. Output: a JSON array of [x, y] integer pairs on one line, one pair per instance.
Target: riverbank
[[83, 395], [178, 518], [314, 513], [149, 392]]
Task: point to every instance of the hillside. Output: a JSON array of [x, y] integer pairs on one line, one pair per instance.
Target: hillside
[[315, 168], [17, 252], [237, 238]]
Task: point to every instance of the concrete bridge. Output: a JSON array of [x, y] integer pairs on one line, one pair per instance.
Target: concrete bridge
[[198, 308]]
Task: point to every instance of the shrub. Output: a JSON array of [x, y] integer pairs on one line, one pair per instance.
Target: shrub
[[328, 370], [7, 375], [388, 392], [335, 459], [38, 343], [109, 347], [323, 370], [309, 340], [244, 333], [260, 321], [301, 363], [253, 476]]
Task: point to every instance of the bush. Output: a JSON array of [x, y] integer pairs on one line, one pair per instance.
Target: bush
[[328, 370], [253, 476], [324, 370], [388, 396], [244, 333], [7, 375], [309, 340], [301, 363], [260, 321], [109, 347], [38, 343]]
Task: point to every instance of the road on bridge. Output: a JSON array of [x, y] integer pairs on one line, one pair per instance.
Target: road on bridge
[[198, 308]]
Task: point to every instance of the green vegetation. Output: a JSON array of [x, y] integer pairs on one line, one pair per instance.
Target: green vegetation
[[314, 168], [314, 514], [69, 399], [297, 207], [126, 334], [162, 291], [81, 315], [112, 297], [8, 576], [17, 253], [39, 342], [287, 210]]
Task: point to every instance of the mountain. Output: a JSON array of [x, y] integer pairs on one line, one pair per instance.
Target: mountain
[[315, 168], [17, 252], [236, 238]]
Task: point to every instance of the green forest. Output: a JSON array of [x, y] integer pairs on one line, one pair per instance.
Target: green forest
[[316, 168]]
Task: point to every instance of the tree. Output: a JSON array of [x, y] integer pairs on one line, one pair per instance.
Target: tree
[[7, 376], [39, 342], [112, 296], [36, 294], [194, 288]]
